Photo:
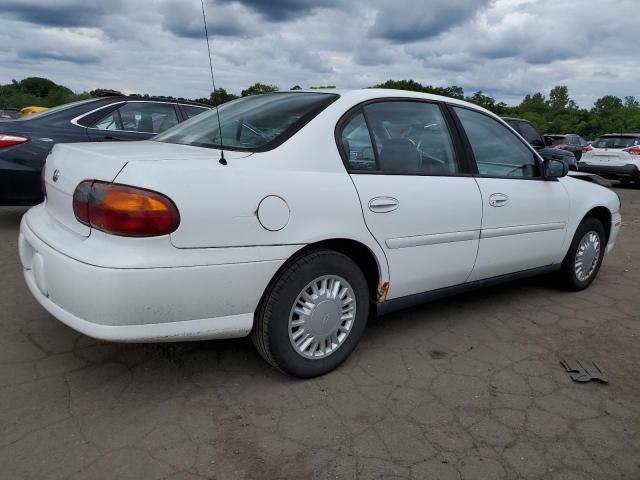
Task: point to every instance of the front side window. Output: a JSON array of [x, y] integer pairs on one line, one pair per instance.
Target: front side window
[[251, 123], [410, 138], [141, 117], [497, 151]]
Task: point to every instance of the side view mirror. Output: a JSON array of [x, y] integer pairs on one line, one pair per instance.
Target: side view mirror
[[548, 141], [555, 168]]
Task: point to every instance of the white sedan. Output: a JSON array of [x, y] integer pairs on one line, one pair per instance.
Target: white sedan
[[325, 207]]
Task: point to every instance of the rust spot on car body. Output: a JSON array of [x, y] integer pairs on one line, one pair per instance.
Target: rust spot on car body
[[383, 290]]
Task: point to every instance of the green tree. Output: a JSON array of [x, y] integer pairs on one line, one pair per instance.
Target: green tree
[[40, 87], [258, 88], [559, 97], [413, 86], [296, 87], [220, 96]]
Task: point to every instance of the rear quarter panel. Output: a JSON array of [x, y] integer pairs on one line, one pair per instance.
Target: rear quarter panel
[[218, 204]]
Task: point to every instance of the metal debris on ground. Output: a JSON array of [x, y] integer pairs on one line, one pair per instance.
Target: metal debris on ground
[[585, 370]]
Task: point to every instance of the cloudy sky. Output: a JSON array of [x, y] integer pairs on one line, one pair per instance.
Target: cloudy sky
[[506, 48]]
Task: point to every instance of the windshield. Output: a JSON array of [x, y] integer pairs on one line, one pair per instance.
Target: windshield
[[616, 142], [252, 123]]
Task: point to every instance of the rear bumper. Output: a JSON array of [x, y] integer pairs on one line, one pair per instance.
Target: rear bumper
[[144, 304], [611, 171]]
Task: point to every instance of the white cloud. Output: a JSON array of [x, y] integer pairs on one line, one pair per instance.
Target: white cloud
[[506, 48]]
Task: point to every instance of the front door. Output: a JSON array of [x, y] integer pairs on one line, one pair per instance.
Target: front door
[[423, 211], [524, 219]]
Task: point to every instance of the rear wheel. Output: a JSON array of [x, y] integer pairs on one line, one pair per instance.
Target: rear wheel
[[313, 314], [584, 258]]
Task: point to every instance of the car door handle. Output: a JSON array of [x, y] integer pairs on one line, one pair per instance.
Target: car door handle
[[498, 199], [383, 204]]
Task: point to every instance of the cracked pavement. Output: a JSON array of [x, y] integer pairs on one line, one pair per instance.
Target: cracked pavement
[[469, 387]]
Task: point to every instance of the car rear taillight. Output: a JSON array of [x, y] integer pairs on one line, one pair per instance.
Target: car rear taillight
[[8, 140], [586, 149], [124, 210], [632, 150]]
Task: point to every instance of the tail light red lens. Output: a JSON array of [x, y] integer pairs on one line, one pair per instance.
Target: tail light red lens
[[124, 210], [632, 150], [8, 140], [586, 149]]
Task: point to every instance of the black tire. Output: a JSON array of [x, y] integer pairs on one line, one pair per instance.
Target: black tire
[[567, 275], [270, 332]]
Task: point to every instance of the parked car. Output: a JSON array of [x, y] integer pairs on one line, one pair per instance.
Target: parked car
[[9, 114], [615, 156], [324, 207], [571, 142], [543, 146], [26, 142]]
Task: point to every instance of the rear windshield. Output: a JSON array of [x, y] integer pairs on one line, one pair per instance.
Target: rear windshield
[[616, 142], [254, 123], [59, 108]]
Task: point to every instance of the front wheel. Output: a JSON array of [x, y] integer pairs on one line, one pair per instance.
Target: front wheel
[[584, 258], [313, 314]]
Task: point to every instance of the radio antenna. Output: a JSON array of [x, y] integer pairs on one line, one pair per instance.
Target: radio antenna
[[222, 160]]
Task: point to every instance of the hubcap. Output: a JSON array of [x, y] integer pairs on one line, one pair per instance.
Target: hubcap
[[322, 316], [587, 256]]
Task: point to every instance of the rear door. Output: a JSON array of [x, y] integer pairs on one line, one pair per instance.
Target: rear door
[[134, 120], [418, 203], [524, 216]]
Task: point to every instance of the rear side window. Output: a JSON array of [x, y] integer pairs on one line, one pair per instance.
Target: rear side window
[[254, 123], [497, 151], [356, 143], [408, 138], [192, 110], [142, 117]]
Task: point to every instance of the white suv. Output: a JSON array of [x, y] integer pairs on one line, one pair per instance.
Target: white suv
[[615, 156], [325, 207]]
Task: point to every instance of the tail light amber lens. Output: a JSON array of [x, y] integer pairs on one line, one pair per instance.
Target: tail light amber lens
[[124, 210]]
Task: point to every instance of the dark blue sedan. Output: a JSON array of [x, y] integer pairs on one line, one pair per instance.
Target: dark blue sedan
[[26, 142]]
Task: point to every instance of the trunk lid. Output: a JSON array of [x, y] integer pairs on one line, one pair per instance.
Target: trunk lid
[[71, 163]]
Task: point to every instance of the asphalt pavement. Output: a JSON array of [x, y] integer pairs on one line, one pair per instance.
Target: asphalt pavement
[[465, 388]]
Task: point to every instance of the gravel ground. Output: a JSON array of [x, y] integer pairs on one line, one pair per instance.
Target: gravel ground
[[465, 388]]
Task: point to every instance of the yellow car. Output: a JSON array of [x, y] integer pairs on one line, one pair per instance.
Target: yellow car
[[30, 110]]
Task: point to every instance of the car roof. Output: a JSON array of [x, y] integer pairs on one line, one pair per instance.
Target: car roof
[[357, 96], [514, 119], [128, 98], [632, 135]]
